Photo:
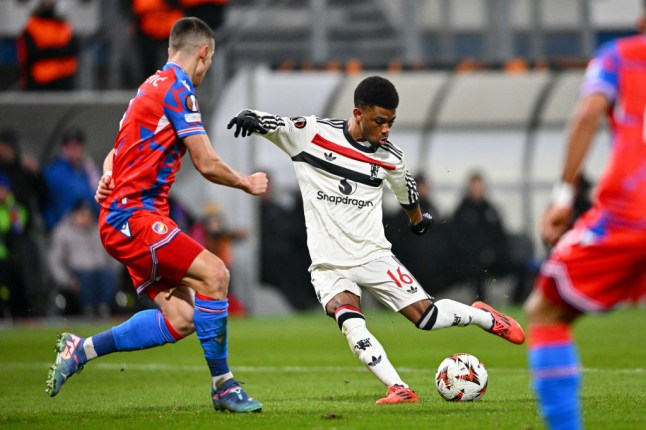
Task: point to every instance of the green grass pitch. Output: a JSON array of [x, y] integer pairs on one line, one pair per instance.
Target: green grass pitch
[[302, 370]]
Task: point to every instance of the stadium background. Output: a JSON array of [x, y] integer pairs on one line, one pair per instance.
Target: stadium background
[[485, 84]]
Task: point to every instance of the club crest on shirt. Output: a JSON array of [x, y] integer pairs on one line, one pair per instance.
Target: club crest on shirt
[[191, 103], [159, 227], [299, 121], [374, 171]]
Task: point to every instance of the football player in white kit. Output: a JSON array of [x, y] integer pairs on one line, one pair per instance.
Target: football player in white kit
[[341, 167]]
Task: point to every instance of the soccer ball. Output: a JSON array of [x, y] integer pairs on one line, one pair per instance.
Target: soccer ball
[[461, 378]]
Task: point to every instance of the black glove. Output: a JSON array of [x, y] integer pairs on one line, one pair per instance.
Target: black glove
[[425, 224], [247, 122]]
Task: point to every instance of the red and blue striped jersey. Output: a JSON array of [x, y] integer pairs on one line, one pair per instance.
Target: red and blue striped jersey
[[618, 71], [148, 149]]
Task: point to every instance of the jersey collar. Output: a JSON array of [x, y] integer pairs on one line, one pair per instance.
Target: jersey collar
[[357, 145], [182, 76]]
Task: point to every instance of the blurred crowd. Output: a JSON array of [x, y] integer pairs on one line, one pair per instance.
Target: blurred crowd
[[48, 47]]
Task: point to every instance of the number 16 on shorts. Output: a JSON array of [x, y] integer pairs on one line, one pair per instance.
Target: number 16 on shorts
[[402, 279]]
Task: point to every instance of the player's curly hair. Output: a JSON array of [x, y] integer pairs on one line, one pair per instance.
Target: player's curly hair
[[186, 31], [376, 91]]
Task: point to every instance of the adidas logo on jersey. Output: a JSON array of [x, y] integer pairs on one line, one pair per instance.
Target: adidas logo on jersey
[[329, 156]]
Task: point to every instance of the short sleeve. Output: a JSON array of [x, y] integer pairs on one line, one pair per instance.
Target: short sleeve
[[601, 76], [183, 111]]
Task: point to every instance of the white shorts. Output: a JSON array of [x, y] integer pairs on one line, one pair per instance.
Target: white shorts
[[385, 278]]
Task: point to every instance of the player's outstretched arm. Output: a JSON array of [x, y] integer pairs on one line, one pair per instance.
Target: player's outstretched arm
[[581, 130], [106, 183], [215, 170]]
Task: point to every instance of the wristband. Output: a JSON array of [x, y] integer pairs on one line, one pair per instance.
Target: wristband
[[563, 194], [109, 173]]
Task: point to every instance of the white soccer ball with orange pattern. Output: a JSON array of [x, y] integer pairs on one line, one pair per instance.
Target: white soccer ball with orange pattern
[[461, 378]]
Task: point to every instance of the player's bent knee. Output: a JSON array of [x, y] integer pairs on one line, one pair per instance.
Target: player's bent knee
[[217, 277], [209, 276], [185, 329], [180, 327], [541, 310], [533, 306], [181, 322]]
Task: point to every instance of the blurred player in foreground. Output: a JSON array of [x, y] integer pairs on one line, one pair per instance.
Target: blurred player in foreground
[[161, 123], [341, 167], [601, 261]]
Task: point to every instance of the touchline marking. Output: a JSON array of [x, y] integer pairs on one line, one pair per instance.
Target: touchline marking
[[291, 369]]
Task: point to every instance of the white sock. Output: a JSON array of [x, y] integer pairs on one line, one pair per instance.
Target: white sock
[[88, 348], [451, 313], [369, 351], [218, 380]]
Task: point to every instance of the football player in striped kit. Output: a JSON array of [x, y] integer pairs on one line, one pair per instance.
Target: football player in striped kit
[[341, 167]]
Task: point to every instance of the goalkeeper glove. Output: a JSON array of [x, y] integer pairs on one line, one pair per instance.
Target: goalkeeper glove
[[246, 122], [421, 227]]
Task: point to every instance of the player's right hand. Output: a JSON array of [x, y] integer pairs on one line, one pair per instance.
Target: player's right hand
[[105, 187], [423, 226], [555, 222], [257, 183], [246, 122]]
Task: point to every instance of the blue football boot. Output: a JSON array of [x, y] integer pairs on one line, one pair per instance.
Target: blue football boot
[[231, 397], [70, 358]]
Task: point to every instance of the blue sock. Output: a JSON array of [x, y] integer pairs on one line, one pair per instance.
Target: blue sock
[[556, 375], [104, 343], [145, 329], [210, 319]]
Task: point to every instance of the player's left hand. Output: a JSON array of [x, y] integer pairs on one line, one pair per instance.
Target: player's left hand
[[555, 222], [246, 122], [106, 185], [425, 224]]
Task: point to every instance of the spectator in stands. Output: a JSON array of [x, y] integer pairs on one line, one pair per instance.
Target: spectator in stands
[[30, 192], [180, 214], [522, 265], [425, 257], [212, 232], [298, 272], [274, 243], [153, 22], [73, 176], [28, 184], [47, 50], [478, 239], [283, 239], [80, 265], [582, 202], [13, 224], [210, 11]]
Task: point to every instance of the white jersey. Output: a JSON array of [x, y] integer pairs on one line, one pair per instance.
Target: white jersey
[[341, 182]]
